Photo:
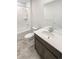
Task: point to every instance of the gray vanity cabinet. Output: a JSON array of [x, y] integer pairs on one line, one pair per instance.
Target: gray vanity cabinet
[[45, 50]]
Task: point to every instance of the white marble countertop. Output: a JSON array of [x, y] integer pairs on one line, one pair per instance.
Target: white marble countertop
[[54, 38]]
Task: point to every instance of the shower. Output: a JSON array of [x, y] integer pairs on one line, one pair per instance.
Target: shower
[[23, 16]]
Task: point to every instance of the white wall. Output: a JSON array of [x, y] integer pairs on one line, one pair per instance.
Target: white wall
[[37, 13], [42, 15], [47, 14], [53, 14]]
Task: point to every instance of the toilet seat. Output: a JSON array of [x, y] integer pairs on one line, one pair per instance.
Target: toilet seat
[[29, 35]]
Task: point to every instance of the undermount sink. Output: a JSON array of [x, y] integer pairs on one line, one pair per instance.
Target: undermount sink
[[47, 34]]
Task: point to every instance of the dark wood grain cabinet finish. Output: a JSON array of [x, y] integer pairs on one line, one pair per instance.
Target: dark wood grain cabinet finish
[[45, 50]]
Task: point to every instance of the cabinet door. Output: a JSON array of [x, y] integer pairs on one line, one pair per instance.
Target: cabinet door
[[48, 55], [39, 48]]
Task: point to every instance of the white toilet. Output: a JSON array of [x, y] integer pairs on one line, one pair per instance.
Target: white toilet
[[30, 35]]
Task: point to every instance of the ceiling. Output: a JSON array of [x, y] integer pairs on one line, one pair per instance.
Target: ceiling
[[48, 1], [23, 1]]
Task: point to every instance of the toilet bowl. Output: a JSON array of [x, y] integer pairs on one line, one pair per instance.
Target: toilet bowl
[[29, 38], [31, 35]]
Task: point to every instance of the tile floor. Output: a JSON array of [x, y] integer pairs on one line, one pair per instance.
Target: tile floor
[[25, 49]]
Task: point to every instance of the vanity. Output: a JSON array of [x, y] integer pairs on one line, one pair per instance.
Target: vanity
[[46, 47]]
